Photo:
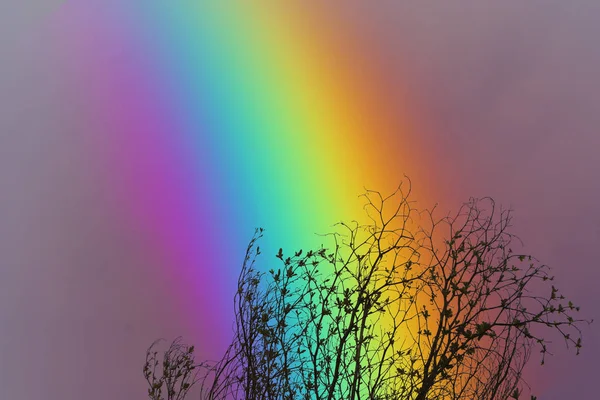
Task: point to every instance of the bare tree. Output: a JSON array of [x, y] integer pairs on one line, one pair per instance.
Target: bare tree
[[402, 306]]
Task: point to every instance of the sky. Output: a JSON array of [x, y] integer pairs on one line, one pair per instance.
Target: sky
[[141, 145]]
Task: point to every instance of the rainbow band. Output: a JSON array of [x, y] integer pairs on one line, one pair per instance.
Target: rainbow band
[[219, 119]]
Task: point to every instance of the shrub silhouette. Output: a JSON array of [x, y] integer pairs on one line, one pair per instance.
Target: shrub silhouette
[[403, 306]]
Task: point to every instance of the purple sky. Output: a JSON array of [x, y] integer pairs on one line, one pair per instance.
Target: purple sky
[[508, 95]]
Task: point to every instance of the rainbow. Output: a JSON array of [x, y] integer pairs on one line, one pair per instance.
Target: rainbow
[[218, 119]]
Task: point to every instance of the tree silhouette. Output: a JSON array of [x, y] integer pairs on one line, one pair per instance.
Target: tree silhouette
[[403, 306], [172, 377]]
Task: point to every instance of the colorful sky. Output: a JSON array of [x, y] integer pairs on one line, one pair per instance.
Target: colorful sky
[[140, 145]]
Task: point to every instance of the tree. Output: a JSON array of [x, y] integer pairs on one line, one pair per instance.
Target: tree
[[172, 377], [402, 306]]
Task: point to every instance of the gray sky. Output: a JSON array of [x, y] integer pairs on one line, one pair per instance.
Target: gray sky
[[508, 98]]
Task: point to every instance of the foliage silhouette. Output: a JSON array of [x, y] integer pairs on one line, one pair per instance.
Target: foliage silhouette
[[175, 375], [403, 306]]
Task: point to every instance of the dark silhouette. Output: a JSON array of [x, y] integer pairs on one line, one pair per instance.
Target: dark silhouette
[[404, 306]]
